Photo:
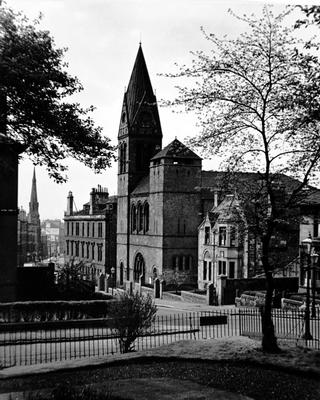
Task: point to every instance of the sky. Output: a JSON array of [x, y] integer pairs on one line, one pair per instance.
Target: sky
[[102, 37]]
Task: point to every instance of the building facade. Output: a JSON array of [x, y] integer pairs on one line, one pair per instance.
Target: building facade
[[90, 234], [53, 231], [223, 243], [164, 196], [30, 243], [158, 198]]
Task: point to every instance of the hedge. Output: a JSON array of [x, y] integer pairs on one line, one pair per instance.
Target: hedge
[[35, 311]]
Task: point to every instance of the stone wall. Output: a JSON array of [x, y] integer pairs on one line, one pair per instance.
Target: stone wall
[[193, 297]]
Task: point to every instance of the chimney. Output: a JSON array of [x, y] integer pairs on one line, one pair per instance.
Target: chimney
[[215, 198], [69, 204], [92, 200]]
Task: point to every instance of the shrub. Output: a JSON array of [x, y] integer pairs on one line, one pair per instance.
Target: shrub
[[132, 314]]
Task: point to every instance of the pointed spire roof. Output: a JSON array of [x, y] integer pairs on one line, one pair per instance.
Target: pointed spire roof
[[176, 149], [34, 197], [139, 88]]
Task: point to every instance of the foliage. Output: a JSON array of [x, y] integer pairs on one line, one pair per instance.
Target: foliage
[[258, 102], [71, 284], [131, 314], [35, 105], [35, 311]]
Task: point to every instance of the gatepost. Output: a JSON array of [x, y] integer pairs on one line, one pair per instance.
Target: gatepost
[[221, 285]]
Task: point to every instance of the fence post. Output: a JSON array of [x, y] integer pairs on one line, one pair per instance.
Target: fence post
[[240, 330]]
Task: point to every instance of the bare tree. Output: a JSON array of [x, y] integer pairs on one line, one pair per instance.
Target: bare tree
[[131, 314], [257, 99]]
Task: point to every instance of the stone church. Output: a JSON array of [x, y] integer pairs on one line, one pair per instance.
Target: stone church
[[163, 197]]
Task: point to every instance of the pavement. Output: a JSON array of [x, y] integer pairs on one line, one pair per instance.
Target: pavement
[[166, 307]]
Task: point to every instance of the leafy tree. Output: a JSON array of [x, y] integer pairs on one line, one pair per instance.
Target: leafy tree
[[257, 98], [131, 314], [71, 283], [35, 105]]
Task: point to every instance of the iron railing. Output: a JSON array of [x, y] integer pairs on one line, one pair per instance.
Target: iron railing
[[53, 341]]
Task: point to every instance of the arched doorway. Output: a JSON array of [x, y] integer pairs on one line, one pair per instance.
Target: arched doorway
[[139, 268]]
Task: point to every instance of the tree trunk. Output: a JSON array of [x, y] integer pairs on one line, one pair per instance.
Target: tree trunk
[[269, 340]]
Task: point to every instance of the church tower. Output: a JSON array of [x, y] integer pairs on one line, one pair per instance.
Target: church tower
[[139, 139], [34, 221]]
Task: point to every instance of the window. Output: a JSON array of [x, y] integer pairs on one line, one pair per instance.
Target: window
[[93, 229], [121, 274], [82, 228], [133, 218], [222, 236], [99, 229], [67, 249], [88, 232], [68, 223], [139, 269], [210, 270], [71, 228], [222, 267], [207, 235], [77, 249], [88, 250], [232, 236], [99, 252], [77, 228], [231, 269], [180, 264], [204, 270], [140, 218], [123, 156], [71, 247], [92, 250], [82, 249], [146, 217]]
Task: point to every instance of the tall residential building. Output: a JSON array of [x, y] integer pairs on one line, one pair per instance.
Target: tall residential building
[[90, 234]]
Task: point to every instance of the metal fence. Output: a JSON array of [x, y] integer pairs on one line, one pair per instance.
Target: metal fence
[[43, 342]]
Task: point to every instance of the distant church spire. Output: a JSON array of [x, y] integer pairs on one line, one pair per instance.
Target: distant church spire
[[34, 205]]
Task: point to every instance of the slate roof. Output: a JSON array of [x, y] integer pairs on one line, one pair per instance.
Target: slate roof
[[143, 186], [139, 88], [176, 149], [228, 210]]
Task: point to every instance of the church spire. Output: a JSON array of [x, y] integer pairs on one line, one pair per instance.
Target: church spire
[[139, 90], [34, 205]]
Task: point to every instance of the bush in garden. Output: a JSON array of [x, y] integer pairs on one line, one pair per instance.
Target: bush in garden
[[131, 315]]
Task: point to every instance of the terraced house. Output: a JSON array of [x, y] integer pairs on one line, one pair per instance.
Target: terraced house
[[90, 235]]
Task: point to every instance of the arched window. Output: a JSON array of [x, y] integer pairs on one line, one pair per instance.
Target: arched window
[[122, 157], [133, 218], [139, 268], [146, 217], [139, 217]]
